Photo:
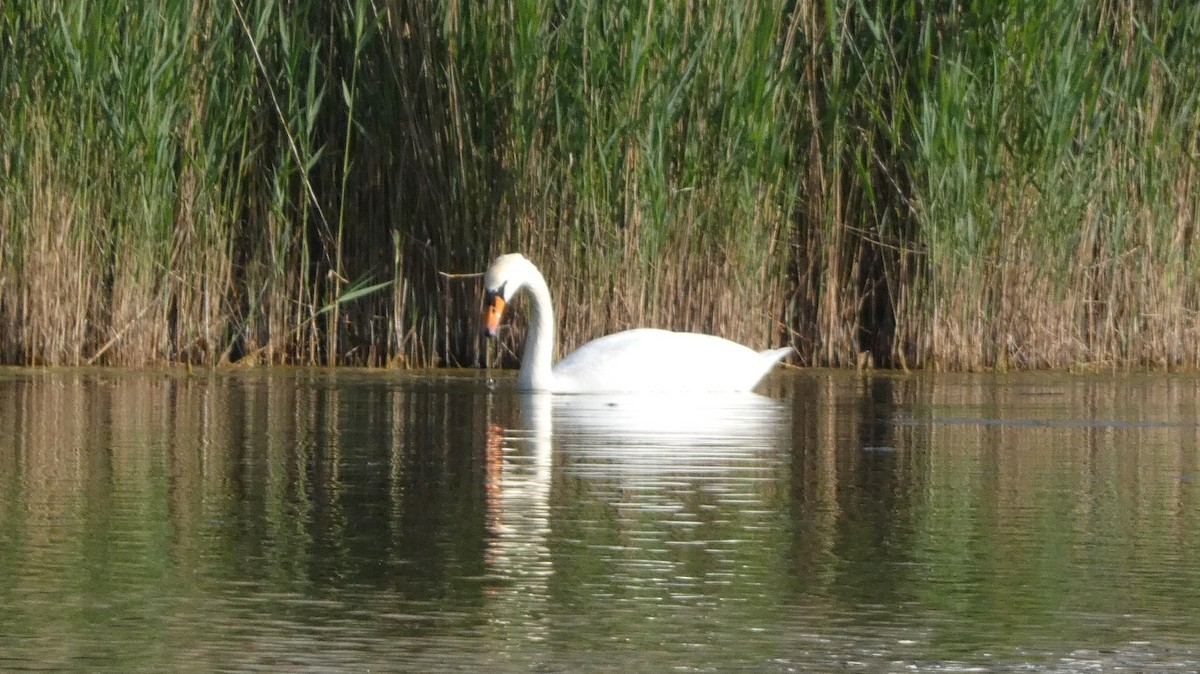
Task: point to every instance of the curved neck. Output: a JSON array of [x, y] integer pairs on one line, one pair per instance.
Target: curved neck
[[536, 367]]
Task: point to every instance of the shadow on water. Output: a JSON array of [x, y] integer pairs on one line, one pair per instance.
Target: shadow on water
[[856, 480], [333, 520]]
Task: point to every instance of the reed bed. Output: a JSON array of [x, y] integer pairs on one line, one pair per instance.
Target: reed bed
[[952, 186]]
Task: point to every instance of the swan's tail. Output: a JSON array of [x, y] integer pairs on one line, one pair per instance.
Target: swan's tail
[[768, 360], [773, 356]]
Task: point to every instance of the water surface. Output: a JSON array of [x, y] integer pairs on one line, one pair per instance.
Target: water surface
[[352, 521]]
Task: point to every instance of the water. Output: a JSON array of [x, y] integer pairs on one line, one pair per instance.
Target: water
[[306, 520]]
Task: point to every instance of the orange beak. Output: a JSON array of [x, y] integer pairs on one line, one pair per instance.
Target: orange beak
[[492, 313]]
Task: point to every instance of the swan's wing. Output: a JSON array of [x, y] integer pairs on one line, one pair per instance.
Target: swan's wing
[[660, 360]]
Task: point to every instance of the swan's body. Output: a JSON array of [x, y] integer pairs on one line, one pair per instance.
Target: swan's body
[[630, 361]]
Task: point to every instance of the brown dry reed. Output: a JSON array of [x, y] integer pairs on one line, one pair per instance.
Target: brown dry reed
[[990, 185]]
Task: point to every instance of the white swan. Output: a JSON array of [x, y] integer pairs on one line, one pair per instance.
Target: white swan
[[630, 361]]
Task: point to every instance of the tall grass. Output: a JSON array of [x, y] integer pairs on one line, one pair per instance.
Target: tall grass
[[954, 185], [1057, 194], [648, 176], [1001, 185]]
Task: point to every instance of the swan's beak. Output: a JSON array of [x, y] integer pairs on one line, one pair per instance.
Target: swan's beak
[[492, 313]]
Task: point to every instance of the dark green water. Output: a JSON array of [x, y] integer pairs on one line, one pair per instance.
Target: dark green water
[[296, 520]]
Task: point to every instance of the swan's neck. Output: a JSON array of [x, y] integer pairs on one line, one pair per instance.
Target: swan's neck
[[536, 373]]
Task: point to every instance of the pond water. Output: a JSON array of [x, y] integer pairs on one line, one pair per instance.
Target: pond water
[[315, 520]]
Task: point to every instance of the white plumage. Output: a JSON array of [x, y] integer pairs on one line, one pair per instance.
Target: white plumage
[[642, 360]]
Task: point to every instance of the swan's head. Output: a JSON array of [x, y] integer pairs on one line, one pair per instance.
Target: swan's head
[[501, 281]]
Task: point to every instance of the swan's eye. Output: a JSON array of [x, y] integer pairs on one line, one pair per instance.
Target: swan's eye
[[493, 298]]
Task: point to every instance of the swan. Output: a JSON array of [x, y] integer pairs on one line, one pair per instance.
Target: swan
[[640, 360]]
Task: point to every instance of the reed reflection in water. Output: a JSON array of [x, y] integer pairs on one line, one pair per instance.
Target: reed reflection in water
[[166, 522], [335, 520]]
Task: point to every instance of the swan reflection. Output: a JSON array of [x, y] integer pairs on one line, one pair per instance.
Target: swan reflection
[[709, 435], [663, 496], [518, 497], [718, 443]]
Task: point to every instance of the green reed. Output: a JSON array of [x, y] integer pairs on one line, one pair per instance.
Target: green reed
[[1056, 202], [962, 185]]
